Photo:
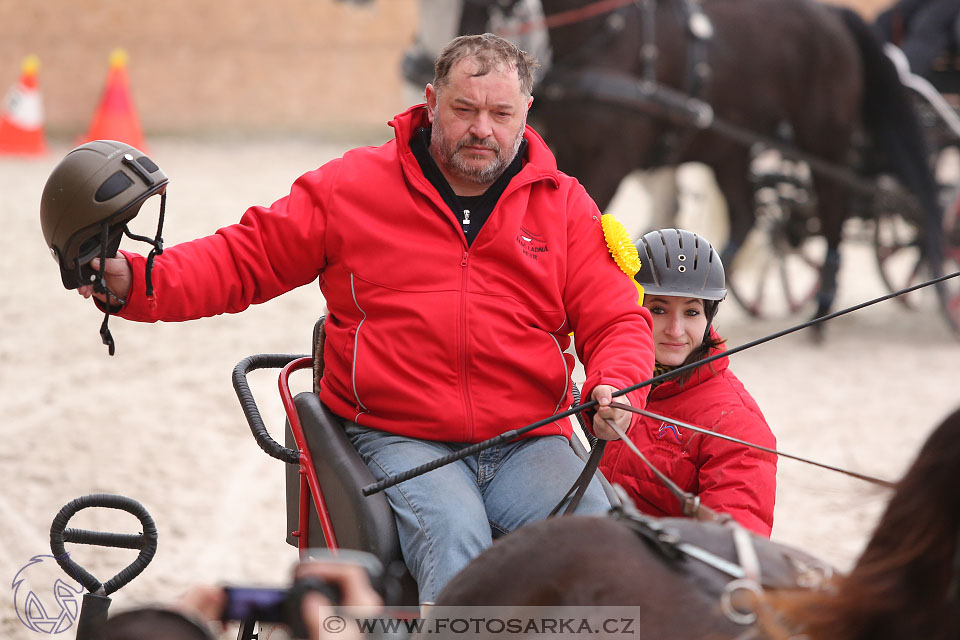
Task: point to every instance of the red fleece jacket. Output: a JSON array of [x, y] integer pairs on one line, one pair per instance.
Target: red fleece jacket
[[728, 477]]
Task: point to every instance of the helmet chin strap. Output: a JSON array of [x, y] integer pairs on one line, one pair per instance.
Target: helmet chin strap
[[157, 243], [100, 285]]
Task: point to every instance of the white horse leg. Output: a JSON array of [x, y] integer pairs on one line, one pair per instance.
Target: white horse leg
[[703, 209], [646, 200]]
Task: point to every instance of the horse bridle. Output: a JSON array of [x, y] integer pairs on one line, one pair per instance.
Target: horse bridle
[[745, 573]]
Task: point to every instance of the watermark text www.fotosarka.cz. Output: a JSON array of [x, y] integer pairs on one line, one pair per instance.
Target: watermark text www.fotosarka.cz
[[556, 623]]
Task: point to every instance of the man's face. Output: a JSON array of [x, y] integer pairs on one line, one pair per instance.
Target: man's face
[[477, 123]]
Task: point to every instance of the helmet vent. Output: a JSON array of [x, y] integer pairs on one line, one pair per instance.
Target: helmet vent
[[148, 164], [681, 269], [89, 245], [113, 186], [666, 252]]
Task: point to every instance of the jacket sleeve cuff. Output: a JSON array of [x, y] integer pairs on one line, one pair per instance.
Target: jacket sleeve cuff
[[138, 307]]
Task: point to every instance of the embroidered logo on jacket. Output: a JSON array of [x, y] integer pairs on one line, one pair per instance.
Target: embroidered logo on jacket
[[531, 244], [671, 429]]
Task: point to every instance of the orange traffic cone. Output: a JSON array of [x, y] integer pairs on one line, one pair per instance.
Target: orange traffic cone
[[21, 125], [116, 118]]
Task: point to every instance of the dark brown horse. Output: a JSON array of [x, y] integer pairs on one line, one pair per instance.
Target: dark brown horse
[[905, 585], [797, 72]]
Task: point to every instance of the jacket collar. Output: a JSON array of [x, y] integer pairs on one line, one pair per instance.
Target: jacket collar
[[540, 164]]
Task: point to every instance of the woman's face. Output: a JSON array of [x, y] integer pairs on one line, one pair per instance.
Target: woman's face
[[678, 326]]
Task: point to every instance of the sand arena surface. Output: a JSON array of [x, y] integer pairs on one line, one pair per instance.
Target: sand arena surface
[[159, 422]]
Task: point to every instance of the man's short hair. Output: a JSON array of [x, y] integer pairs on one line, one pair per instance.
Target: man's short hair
[[491, 52]]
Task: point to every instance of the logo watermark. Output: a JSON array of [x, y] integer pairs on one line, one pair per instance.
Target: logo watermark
[[46, 600]]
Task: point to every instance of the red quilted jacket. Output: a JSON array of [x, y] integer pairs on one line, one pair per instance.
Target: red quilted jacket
[[728, 477], [426, 336]]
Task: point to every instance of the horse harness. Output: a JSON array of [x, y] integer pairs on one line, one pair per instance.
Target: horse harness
[[572, 78], [699, 31], [745, 570]]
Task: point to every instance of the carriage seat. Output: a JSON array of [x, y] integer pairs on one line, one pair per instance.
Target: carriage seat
[[365, 523]]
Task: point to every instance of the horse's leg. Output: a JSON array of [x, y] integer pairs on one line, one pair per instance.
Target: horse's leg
[[831, 201], [599, 167], [732, 175], [601, 182], [827, 134], [660, 185]]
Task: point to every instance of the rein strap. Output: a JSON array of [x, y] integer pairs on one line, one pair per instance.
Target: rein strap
[[685, 425]]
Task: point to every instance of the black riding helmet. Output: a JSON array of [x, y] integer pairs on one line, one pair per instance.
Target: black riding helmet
[[676, 262], [98, 187], [87, 202]]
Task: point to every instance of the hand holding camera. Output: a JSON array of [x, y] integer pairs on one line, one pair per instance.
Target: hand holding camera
[[319, 587]]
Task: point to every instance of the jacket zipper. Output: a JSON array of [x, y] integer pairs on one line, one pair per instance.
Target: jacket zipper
[[464, 378], [566, 374], [428, 190], [356, 341]]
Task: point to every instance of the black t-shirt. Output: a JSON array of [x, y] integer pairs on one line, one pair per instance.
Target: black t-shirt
[[472, 211]]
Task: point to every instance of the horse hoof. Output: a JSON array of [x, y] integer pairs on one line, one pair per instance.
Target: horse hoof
[[816, 334]]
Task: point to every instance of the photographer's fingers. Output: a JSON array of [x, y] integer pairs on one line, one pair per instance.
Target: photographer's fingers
[[321, 621], [204, 601], [357, 595], [351, 579]]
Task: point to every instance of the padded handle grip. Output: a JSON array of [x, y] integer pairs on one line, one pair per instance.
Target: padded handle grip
[[262, 361], [146, 541]]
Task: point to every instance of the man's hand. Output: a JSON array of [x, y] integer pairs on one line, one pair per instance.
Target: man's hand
[[118, 276], [602, 393]]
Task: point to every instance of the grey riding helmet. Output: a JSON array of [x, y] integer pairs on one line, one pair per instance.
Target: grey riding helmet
[[676, 262], [89, 198]]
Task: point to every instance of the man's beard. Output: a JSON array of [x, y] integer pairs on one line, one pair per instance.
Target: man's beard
[[453, 159]]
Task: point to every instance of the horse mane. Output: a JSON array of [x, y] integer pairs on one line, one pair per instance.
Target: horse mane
[[905, 584]]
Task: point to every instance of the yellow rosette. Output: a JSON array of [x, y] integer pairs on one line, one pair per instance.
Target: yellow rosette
[[622, 249]]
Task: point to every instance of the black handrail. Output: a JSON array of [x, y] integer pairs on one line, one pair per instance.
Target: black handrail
[[250, 411]]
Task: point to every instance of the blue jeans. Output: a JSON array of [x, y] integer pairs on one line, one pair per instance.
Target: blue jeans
[[446, 517]]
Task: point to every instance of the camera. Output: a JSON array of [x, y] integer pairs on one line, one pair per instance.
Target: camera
[[284, 605], [276, 605]]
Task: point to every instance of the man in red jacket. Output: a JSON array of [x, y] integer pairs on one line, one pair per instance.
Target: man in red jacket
[[455, 261]]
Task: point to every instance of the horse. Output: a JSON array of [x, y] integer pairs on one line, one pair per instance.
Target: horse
[[794, 75], [906, 583]]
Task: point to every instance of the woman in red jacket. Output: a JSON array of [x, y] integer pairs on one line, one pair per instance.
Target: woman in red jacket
[[683, 284]]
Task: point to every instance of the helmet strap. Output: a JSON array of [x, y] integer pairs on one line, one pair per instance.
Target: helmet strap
[[100, 285], [105, 334], [156, 242]]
